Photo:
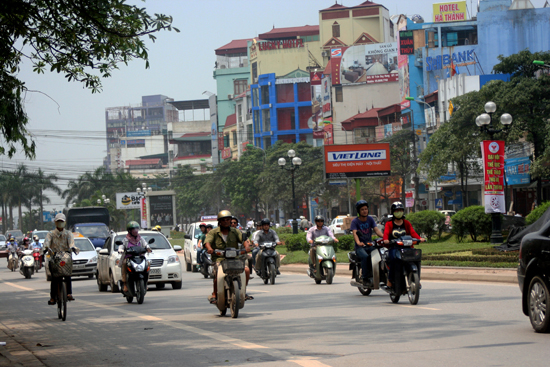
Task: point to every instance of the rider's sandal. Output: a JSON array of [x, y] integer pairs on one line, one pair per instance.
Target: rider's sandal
[[51, 302], [70, 297], [212, 300], [248, 297]]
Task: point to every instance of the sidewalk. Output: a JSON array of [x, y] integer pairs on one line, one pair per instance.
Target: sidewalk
[[14, 354], [495, 275]]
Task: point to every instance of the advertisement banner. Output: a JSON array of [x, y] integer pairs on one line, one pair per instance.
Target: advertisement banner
[[379, 131], [409, 199], [143, 213], [406, 43], [403, 68], [226, 153], [450, 12], [220, 141], [329, 134], [128, 200], [376, 63], [356, 160], [517, 170], [138, 133], [162, 210], [492, 153], [325, 96]]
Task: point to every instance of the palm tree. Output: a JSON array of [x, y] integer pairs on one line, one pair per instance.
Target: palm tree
[[19, 189], [41, 182]]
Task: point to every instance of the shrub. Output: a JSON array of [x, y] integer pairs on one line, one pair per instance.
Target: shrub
[[295, 242], [427, 222], [345, 242], [282, 230], [474, 221], [537, 213]]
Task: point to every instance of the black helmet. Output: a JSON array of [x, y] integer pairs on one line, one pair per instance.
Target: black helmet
[[265, 221], [209, 226], [319, 218], [360, 204], [131, 225], [397, 205]]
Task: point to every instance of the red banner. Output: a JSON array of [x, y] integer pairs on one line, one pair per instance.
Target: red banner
[[226, 153], [329, 137], [492, 153]]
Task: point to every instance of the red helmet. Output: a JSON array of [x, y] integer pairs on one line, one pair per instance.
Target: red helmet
[[26, 239], [202, 225]]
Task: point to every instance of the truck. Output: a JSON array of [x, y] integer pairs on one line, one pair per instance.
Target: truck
[[91, 222]]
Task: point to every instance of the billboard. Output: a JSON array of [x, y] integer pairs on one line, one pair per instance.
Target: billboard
[[517, 170], [376, 63], [356, 160], [161, 208], [127, 200], [492, 153], [450, 12], [138, 133], [325, 95]]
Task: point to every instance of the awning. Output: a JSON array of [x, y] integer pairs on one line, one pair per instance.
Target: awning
[[196, 104]]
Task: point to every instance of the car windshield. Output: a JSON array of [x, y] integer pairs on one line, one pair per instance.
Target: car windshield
[[84, 244], [339, 221], [98, 231], [41, 234], [15, 233], [160, 241]]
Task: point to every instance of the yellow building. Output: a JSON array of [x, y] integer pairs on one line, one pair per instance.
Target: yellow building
[[230, 141]]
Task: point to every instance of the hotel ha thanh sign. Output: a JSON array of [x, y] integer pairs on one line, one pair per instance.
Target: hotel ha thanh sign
[[449, 12], [279, 44]]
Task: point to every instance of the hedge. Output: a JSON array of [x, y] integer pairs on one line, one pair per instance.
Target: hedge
[[537, 213], [472, 220], [427, 222]]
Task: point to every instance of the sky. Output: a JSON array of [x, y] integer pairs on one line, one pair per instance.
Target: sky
[[181, 67]]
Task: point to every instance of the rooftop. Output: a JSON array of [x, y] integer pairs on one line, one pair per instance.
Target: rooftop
[[234, 47], [278, 33]]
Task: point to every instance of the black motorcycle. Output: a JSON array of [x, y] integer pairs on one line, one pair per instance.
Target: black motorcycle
[[138, 273], [268, 272], [407, 272], [207, 265]]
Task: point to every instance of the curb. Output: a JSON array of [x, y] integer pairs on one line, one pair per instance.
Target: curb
[[494, 275]]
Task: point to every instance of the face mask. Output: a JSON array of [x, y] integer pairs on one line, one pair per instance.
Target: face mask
[[398, 214], [60, 224]]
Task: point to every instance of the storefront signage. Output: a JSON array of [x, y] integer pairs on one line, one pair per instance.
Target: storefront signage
[[450, 12], [406, 43], [517, 170], [138, 133], [492, 153], [226, 153], [445, 61], [356, 160], [128, 200], [278, 44]]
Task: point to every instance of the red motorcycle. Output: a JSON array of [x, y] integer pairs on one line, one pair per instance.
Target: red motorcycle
[[36, 253]]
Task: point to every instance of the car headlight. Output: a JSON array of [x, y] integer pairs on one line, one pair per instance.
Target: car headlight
[[93, 259], [173, 259]]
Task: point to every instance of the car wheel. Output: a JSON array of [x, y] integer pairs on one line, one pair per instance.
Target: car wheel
[[538, 300], [176, 285], [112, 284], [194, 268], [100, 286], [187, 265]]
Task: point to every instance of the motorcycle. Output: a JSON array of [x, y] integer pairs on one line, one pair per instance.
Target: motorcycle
[[27, 264], [325, 266], [13, 261], [137, 275], [36, 253], [407, 273], [231, 281], [268, 272], [207, 266]]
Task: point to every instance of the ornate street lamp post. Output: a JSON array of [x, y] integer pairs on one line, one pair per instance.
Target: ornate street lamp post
[[295, 163], [483, 121]]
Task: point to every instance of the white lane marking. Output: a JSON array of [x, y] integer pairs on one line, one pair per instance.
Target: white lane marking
[[20, 287], [308, 363]]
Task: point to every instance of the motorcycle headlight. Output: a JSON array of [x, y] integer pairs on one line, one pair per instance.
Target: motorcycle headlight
[[93, 259], [319, 257], [173, 259]]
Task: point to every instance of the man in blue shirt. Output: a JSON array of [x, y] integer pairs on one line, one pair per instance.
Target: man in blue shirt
[[362, 228]]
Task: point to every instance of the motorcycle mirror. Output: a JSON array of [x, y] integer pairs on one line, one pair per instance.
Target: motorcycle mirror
[[151, 241]]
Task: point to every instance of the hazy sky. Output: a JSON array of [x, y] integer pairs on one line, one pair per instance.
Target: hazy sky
[[181, 67]]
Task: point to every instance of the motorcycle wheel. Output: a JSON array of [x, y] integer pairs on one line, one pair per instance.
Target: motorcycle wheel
[[317, 281], [205, 275], [266, 280], [140, 291], [364, 292], [413, 290], [234, 304], [396, 293], [272, 273], [129, 299], [223, 312], [330, 275], [27, 273]]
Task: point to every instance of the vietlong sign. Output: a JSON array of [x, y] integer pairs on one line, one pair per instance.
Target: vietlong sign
[[356, 160]]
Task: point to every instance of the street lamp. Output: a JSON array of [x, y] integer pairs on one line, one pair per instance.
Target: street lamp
[[484, 121], [295, 163]]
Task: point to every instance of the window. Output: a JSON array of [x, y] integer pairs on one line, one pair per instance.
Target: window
[[338, 95], [266, 119], [336, 30], [265, 94], [240, 113], [239, 86], [257, 121], [226, 140], [249, 133], [234, 137], [255, 97], [254, 72]]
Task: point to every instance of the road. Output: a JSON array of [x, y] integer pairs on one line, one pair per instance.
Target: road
[[293, 323]]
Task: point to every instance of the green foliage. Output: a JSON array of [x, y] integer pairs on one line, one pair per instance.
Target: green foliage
[[346, 242], [472, 220], [83, 40], [537, 213], [295, 242], [427, 222], [283, 230]]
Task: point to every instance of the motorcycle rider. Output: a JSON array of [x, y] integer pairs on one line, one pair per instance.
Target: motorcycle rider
[[59, 240], [221, 237], [394, 229], [362, 228], [38, 245], [132, 239], [200, 242], [266, 235], [304, 223], [319, 230], [13, 248]]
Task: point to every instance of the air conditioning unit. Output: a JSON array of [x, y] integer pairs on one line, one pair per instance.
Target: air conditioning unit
[[324, 53], [230, 96], [271, 133]]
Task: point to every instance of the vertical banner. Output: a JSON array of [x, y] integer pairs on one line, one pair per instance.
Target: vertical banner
[[143, 213], [492, 153], [409, 199]]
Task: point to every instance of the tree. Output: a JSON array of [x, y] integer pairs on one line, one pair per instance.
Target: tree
[[40, 182], [84, 40], [402, 164]]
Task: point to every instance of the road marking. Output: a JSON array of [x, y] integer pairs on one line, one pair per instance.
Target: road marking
[[151, 318], [20, 287], [424, 308], [308, 363]]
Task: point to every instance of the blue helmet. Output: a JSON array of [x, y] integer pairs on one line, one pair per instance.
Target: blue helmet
[[360, 204]]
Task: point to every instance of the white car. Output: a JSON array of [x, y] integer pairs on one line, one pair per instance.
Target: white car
[[41, 236], [84, 264], [165, 262], [191, 243], [336, 225]]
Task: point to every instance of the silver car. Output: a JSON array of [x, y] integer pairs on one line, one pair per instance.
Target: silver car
[[84, 264]]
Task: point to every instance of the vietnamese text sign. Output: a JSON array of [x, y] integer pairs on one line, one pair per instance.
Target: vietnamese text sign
[[143, 213], [357, 160], [517, 170], [406, 43], [450, 12], [492, 153], [127, 200], [376, 63]]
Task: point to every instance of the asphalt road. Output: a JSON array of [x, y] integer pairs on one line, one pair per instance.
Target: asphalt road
[[293, 323]]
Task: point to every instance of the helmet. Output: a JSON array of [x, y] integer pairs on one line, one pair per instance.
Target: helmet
[[319, 217], [265, 221], [12, 238], [26, 239], [397, 205], [360, 204], [202, 225], [35, 237], [158, 228], [224, 214], [131, 225], [209, 226]]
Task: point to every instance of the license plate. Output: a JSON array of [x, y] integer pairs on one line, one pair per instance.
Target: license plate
[[78, 266], [231, 254], [155, 271]]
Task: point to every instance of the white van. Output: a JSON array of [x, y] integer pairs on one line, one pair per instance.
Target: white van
[[191, 242]]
